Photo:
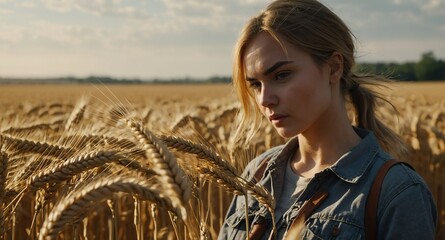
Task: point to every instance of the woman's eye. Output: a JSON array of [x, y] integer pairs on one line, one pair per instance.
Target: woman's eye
[[282, 75], [255, 85]]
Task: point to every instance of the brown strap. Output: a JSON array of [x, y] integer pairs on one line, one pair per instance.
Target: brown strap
[[373, 199], [306, 210], [258, 230]]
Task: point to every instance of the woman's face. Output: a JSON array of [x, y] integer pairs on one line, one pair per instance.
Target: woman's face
[[291, 90]]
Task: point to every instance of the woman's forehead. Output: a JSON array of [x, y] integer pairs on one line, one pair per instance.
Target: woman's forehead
[[263, 51]]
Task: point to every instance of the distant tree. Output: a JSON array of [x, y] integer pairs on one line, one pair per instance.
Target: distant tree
[[429, 68], [405, 71], [219, 79]]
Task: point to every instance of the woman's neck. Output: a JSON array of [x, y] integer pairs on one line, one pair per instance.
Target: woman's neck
[[323, 144]]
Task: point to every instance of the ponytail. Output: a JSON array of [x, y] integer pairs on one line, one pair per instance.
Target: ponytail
[[364, 101]]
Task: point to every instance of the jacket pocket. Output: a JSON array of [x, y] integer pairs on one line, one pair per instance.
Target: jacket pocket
[[318, 228]]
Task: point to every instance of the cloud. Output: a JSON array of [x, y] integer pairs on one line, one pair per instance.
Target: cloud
[[192, 37], [426, 6], [212, 13], [398, 50], [97, 7], [5, 11], [10, 34]]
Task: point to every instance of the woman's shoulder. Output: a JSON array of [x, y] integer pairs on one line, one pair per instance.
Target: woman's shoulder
[[405, 199], [402, 179]]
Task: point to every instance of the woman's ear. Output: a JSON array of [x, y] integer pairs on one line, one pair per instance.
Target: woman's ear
[[336, 65]]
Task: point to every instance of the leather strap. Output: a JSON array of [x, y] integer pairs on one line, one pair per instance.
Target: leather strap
[[373, 199], [305, 211], [258, 230]]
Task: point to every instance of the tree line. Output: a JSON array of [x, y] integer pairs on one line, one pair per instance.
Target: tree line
[[428, 68]]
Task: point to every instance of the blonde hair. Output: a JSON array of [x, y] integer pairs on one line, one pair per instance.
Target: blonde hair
[[314, 28]]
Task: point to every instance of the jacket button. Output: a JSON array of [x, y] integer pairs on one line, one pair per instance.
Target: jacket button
[[335, 231]]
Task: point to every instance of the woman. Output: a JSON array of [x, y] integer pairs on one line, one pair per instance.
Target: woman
[[293, 66]]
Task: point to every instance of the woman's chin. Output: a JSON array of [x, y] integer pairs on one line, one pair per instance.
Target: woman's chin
[[286, 133]]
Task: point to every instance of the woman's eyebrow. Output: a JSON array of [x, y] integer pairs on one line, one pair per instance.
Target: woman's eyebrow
[[275, 66], [271, 69]]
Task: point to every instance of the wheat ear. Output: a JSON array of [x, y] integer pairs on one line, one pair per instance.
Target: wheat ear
[[76, 205], [78, 164], [34, 127], [76, 114], [23, 146], [3, 173], [200, 151], [221, 171], [187, 119], [81, 141], [230, 182], [164, 163]]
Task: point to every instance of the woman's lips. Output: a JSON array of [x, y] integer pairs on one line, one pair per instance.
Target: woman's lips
[[277, 118]]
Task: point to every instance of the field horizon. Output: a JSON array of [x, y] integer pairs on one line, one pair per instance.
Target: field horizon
[[24, 92]]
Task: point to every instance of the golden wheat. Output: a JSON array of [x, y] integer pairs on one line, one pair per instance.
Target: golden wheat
[[68, 161]]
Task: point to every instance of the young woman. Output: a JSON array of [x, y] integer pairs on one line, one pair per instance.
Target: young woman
[[293, 66]]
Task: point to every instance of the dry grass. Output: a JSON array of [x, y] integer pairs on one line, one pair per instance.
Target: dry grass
[[155, 161]]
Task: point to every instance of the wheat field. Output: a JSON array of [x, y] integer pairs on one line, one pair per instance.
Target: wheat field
[[157, 161]]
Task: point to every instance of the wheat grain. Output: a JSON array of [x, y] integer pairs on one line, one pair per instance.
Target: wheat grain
[[76, 165], [76, 114], [199, 151], [3, 174], [24, 146], [164, 162]]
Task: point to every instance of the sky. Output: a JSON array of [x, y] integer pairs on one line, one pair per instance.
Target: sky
[[148, 39]]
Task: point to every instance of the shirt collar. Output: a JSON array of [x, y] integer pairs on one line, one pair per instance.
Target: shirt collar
[[353, 164], [350, 167], [286, 152]]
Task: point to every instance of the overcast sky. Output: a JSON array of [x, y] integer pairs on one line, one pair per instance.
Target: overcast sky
[[185, 38]]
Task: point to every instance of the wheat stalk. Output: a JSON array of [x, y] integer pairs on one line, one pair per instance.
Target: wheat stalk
[[76, 205]]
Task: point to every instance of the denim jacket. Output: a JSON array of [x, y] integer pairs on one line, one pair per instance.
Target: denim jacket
[[406, 209]]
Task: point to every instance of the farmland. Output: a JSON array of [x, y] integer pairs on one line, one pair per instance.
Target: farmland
[[156, 161]]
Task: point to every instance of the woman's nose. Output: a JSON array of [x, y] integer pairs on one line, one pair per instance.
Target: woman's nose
[[268, 96]]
